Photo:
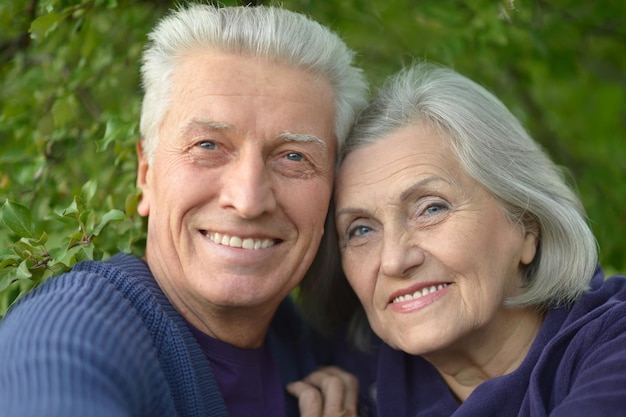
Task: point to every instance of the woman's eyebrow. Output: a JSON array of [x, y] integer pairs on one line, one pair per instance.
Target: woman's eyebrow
[[406, 194], [349, 210]]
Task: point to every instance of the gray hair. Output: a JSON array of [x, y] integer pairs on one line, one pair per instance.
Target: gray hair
[[267, 32], [498, 153]]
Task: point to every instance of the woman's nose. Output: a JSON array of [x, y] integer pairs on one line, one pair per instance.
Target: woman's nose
[[400, 255]]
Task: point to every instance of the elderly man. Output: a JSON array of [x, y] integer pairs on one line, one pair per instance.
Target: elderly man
[[243, 114]]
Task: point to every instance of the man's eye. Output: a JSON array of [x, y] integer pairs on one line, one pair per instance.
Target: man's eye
[[294, 156], [208, 145]]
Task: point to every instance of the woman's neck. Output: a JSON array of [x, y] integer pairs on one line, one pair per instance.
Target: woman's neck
[[496, 350]]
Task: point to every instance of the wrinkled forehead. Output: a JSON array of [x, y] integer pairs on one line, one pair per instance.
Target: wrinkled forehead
[[242, 91], [385, 169]]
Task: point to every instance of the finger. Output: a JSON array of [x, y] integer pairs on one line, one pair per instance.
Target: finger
[[334, 394], [350, 383], [340, 389], [310, 401]]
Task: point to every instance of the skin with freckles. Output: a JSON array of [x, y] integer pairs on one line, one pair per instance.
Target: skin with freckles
[[238, 190], [410, 220]]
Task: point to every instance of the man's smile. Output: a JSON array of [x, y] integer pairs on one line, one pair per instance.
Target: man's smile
[[239, 242]]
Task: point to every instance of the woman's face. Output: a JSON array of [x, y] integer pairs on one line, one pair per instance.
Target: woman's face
[[428, 250]]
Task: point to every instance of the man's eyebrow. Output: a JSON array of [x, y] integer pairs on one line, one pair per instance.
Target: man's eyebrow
[[205, 124], [286, 136], [301, 137]]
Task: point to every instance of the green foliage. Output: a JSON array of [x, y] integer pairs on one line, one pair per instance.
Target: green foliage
[[70, 100], [559, 66], [68, 125]]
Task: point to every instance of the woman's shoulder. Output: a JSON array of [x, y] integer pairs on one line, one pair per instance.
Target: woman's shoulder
[[588, 354], [605, 297]]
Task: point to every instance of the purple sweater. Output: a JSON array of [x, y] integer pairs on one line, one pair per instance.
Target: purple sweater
[[575, 367]]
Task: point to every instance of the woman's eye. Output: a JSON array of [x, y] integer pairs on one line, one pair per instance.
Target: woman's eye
[[294, 156], [434, 209], [358, 231]]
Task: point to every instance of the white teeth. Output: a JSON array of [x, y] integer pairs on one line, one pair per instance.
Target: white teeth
[[419, 293], [238, 242]]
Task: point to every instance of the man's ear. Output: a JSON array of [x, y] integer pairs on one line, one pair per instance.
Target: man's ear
[[143, 179]]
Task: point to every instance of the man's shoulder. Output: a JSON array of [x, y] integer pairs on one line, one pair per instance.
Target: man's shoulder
[[121, 266], [79, 289], [87, 296], [79, 333]]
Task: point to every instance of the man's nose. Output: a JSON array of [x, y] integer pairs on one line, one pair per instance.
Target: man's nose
[[248, 187]]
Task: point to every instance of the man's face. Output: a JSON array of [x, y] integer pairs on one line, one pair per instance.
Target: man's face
[[240, 184]]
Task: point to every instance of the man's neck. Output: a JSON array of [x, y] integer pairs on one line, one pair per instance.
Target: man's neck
[[243, 328]]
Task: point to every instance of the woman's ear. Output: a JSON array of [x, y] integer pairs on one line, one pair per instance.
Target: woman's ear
[[143, 179], [531, 240]]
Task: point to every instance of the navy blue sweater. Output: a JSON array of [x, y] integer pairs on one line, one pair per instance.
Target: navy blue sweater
[[103, 340]]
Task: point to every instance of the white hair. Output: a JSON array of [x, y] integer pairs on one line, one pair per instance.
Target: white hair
[[496, 151], [267, 32]]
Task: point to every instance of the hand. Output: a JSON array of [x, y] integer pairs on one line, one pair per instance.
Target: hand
[[327, 392]]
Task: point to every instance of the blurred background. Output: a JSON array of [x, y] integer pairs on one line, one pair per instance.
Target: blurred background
[[70, 98]]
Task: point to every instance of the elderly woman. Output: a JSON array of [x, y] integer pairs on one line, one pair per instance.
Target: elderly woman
[[473, 261]]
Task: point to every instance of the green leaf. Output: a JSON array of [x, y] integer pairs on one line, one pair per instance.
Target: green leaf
[[73, 209], [116, 130], [131, 204], [23, 249], [40, 241], [61, 258], [7, 276], [17, 218], [64, 110], [89, 190], [75, 238], [111, 216], [8, 261], [22, 271], [83, 254], [86, 220], [58, 268], [41, 26]]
